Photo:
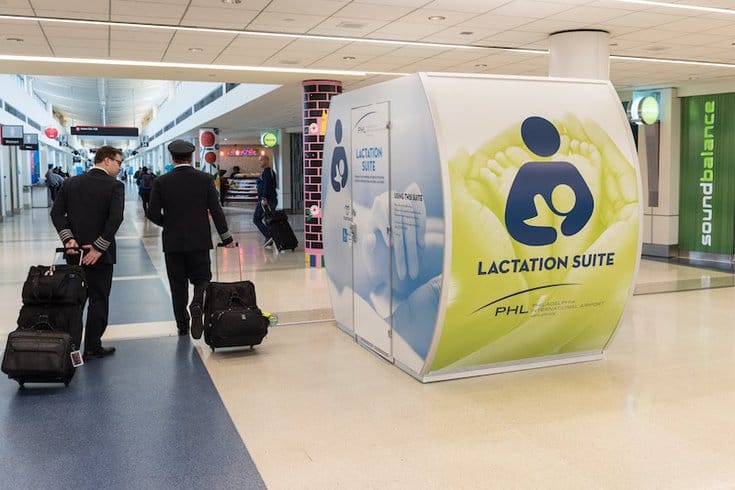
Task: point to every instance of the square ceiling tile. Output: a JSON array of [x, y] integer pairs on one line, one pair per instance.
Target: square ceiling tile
[[349, 27], [370, 11], [228, 18], [137, 11], [314, 7], [283, 22]]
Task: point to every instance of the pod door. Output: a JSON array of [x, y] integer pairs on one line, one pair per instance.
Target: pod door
[[370, 164]]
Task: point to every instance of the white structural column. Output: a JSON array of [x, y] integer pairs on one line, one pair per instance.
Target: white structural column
[[583, 53]]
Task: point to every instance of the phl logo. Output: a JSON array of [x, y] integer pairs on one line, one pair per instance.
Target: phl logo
[[545, 179], [338, 174]]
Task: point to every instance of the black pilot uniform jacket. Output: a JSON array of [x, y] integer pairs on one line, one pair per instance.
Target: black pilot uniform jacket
[[89, 209], [181, 201]]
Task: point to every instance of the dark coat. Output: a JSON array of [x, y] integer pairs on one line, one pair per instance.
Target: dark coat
[[181, 202], [89, 208]]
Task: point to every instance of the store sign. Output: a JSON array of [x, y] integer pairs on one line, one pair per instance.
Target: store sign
[[51, 132], [243, 152], [269, 139], [645, 108], [707, 206]]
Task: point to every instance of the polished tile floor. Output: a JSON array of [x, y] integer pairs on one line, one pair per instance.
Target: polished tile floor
[[316, 411]]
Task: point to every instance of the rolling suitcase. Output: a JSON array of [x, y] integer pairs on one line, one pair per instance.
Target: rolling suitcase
[[49, 325], [39, 354], [231, 315], [281, 231], [58, 284]]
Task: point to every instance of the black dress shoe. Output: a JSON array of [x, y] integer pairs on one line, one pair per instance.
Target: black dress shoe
[[100, 352], [197, 324]]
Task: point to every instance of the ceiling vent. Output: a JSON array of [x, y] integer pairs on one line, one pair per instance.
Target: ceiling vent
[[288, 62], [656, 48]]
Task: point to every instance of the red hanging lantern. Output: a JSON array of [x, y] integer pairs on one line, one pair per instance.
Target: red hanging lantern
[[51, 132]]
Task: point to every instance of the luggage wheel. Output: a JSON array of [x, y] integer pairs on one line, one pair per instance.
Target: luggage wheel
[[21, 385], [252, 347], [211, 347]]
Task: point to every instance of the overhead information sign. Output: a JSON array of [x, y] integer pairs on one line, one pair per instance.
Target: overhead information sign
[[123, 131]]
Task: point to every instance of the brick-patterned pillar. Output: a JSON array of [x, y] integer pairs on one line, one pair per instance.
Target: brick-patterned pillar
[[317, 94]]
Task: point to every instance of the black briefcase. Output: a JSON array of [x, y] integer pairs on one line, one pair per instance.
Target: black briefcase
[[236, 326], [218, 296], [63, 318], [55, 284], [39, 355]]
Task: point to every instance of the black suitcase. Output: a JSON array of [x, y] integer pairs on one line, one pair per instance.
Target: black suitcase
[[39, 355], [63, 318], [281, 231], [231, 314], [236, 326], [55, 284]]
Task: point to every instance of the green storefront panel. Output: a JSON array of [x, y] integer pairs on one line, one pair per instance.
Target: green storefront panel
[[707, 198]]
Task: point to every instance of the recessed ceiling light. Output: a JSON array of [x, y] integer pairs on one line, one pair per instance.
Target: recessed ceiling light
[[14, 40], [225, 139], [195, 50], [348, 57], [232, 2], [613, 44], [437, 17], [289, 19]]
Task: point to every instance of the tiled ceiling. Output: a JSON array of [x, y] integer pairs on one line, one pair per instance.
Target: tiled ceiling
[[636, 30]]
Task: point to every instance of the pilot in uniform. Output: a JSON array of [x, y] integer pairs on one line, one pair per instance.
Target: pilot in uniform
[[87, 212], [181, 202]]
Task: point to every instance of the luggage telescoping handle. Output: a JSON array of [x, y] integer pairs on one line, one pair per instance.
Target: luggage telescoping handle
[[62, 251], [239, 261]]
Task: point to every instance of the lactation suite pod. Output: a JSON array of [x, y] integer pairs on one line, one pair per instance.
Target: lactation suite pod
[[480, 224]]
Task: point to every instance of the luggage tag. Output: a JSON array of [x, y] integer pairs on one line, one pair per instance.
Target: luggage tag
[[76, 358]]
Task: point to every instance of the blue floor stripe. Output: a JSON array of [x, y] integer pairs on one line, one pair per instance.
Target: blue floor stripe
[[133, 259], [140, 301], [146, 417]]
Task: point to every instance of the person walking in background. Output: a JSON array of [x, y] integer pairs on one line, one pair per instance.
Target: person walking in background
[[266, 185], [181, 202], [87, 212], [54, 181], [145, 184]]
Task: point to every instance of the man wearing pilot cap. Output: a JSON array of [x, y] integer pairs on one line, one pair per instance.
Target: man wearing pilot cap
[[181, 202]]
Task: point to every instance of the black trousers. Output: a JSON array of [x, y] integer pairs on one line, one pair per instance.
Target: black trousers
[[182, 268], [99, 284]]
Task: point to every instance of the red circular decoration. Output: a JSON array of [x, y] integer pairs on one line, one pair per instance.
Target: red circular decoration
[[210, 157], [207, 139], [51, 132]]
